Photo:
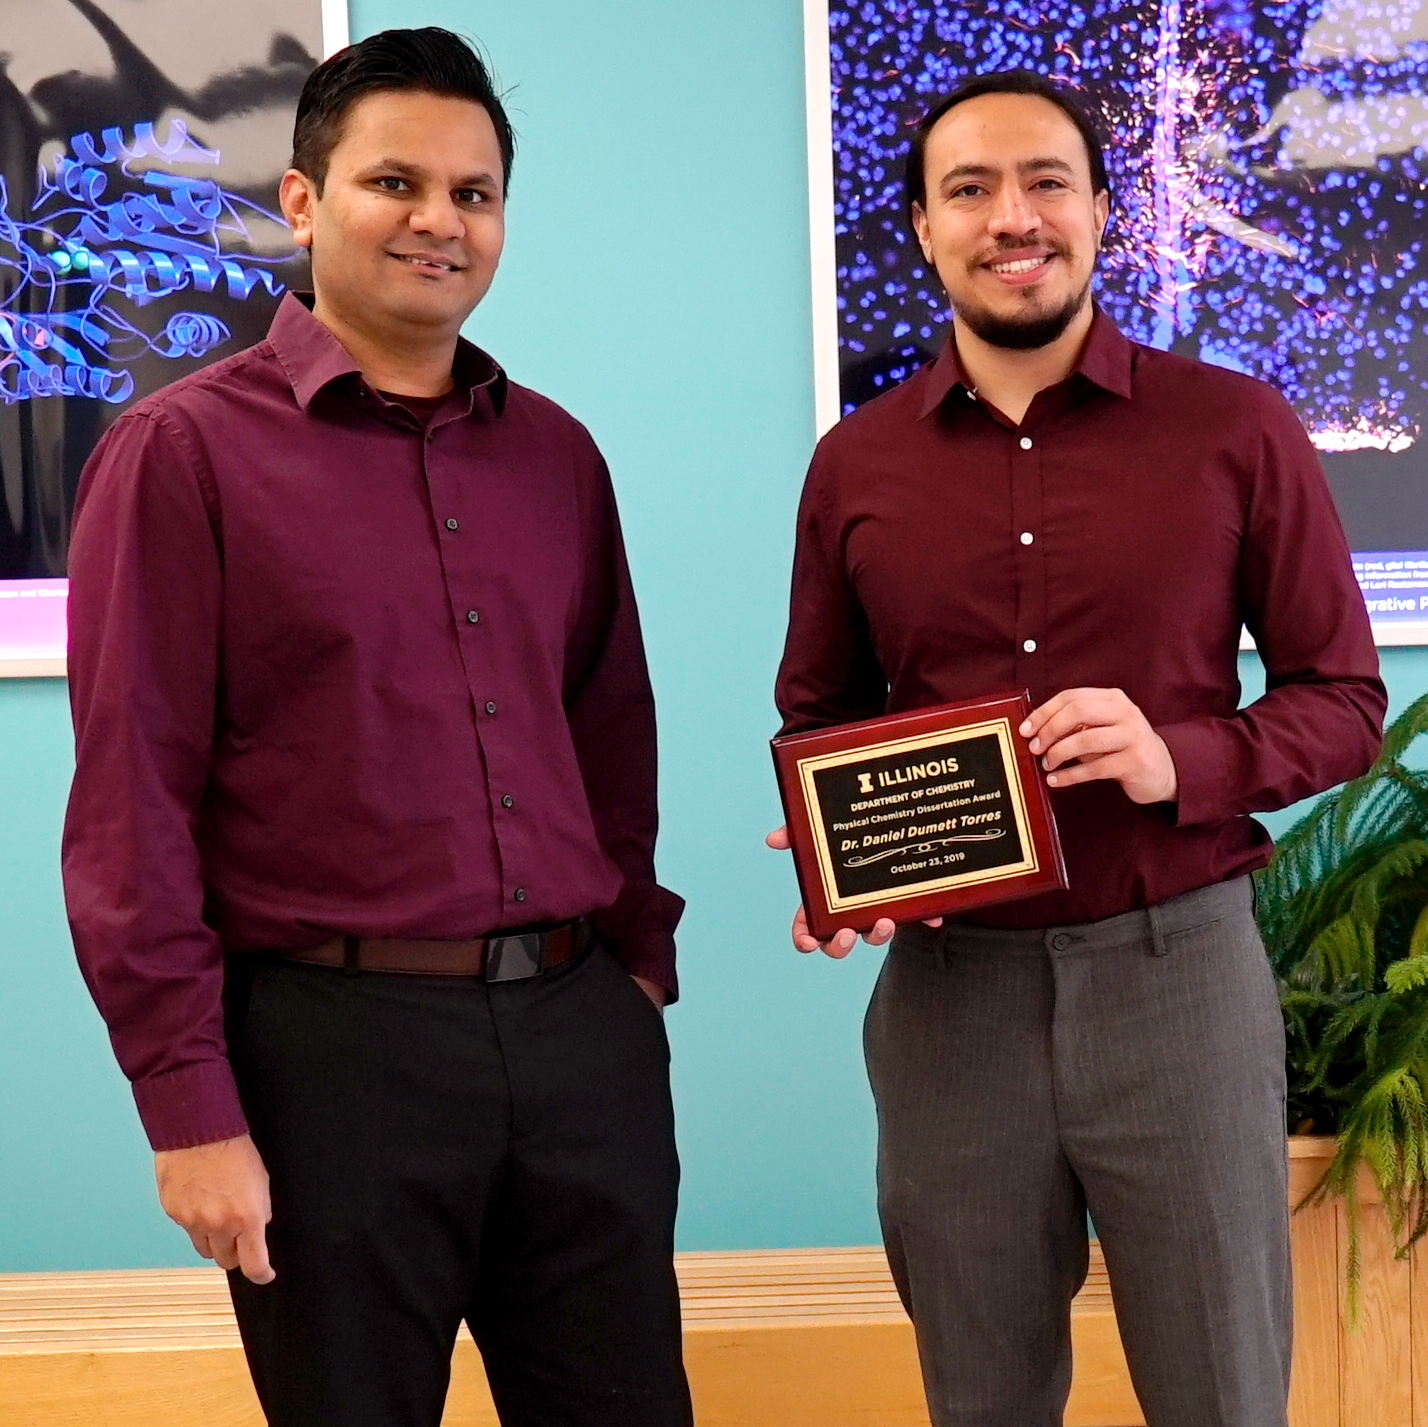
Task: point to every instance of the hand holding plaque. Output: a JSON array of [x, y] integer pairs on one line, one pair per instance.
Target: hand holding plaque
[[917, 814]]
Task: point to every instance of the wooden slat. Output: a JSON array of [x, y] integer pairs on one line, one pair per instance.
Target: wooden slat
[[778, 1338], [1418, 1333], [1314, 1383], [1377, 1386]]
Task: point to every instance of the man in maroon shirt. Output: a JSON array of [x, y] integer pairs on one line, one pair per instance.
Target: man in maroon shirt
[[359, 854], [1049, 506]]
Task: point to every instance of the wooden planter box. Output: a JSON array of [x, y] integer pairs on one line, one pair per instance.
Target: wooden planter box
[[1375, 1374]]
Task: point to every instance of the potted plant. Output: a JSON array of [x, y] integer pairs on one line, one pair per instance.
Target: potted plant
[[1343, 908]]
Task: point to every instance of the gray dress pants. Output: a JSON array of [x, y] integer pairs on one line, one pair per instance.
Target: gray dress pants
[[1133, 1067]]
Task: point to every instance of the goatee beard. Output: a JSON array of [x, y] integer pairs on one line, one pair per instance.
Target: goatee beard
[[1023, 334]]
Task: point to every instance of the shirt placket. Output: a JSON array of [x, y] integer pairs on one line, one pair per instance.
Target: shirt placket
[[473, 621], [1028, 539]]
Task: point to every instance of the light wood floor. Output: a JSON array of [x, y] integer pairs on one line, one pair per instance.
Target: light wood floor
[[794, 1338]]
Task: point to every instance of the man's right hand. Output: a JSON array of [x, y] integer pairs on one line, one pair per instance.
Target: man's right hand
[[841, 942], [218, 1194]]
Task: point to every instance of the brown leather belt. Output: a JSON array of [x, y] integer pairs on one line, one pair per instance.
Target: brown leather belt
[[505, 956]]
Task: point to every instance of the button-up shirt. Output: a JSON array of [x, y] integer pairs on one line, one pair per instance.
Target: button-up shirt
[[1119, 537], [337, 670]]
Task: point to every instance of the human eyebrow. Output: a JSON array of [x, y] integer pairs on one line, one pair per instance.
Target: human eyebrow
[[962, 172], [1045, 166], [393, 166], [486, 181], [399, 168]]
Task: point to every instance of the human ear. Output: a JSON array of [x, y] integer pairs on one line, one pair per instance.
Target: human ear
[[1103, 215], [922, 229], [297, 197]]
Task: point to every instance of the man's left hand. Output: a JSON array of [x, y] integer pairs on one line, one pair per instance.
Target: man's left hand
[[1084, 734], [652, 989]]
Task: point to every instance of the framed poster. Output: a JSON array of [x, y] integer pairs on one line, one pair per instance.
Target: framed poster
[[141, 142], [1269, 173]]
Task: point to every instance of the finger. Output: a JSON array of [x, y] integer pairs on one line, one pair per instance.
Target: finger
[[840, 943], [932, 921], [1089, 743], [252, 1249], [803, 940], [1090, 710], [225, 1250], [778, 839], [880, 932], [1112, 765], [201, 1245], [1040, 714]]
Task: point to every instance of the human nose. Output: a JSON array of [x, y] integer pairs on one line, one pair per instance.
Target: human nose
[[437, 216], [1013, 214]]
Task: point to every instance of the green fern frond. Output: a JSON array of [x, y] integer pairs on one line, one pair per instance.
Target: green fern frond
[[1406, 974], [1341, 950], [1397, 737]]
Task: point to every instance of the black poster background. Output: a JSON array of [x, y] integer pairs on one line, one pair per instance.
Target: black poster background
[[230, 74]]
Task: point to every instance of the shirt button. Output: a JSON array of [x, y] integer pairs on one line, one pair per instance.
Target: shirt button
[[1029, 645], [451, 522], [507, 801], [490, 707], [473, 616], [1027, 537], [1025, 443], [519, 894], [1060, 941]]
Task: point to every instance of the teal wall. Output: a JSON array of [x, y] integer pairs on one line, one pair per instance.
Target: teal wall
[[655, 283]]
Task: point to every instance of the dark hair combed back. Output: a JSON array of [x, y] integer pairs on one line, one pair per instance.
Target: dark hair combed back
[[1009, 81], [430, 60]]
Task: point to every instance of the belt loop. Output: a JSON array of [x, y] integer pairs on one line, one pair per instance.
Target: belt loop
[[351, 955], [1157, 934]]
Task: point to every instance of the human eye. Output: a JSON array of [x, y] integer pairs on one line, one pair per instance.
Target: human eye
[[967, 190], [470, 197], [390, 183]]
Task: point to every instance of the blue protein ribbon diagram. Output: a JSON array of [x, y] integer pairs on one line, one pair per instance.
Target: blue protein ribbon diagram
[[112, 220]]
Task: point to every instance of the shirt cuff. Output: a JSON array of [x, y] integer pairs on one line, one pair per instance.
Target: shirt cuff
[[1201, 777], [644, 944], [194, 1105]]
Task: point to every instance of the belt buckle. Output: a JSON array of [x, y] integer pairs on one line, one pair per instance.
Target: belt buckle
[[514, 958]]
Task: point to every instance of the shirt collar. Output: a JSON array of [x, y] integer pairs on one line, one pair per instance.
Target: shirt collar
[[313, 358], [1105, 360]]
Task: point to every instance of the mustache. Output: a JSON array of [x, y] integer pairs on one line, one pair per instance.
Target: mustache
[[1011, 247]]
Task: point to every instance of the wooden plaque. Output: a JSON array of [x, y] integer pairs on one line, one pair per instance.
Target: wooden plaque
[[917, 814]]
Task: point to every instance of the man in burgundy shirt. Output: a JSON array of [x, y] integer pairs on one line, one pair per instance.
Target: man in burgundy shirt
[[1050, 506], [359, 855]]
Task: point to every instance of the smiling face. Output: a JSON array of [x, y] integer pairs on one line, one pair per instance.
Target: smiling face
[[1010, 220], [407, 231]]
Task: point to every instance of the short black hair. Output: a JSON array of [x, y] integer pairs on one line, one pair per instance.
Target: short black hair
[[429, 60], [1007, 81]]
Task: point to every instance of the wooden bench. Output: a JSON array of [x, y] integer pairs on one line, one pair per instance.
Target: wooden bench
[[780, 1338]]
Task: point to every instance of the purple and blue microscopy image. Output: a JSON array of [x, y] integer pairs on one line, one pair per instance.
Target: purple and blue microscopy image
[[1269, 173]]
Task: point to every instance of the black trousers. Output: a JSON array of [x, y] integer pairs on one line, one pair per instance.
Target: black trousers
[[443, 1149]]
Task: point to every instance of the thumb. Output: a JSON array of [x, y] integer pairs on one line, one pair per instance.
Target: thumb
[[778, 839], [253, 1255]]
